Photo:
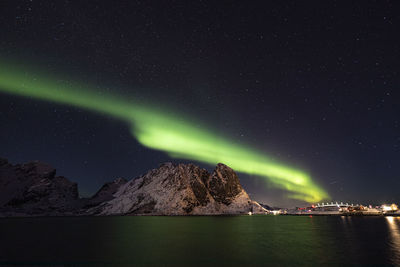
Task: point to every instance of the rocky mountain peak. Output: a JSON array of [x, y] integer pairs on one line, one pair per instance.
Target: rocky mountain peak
[[33, 188], [224, 184], [38, 168], [180, 189]]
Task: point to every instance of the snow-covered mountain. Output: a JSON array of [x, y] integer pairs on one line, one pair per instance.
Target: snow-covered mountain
[[171, 189], [182, 189]]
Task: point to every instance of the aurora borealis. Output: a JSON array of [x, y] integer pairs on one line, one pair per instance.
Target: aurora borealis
[[163, 130], [301, 101], [112, 109]]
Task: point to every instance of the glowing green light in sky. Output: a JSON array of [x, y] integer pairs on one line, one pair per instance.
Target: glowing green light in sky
[[163, 130]]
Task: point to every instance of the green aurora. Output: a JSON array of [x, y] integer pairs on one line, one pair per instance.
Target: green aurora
[[161, 129]]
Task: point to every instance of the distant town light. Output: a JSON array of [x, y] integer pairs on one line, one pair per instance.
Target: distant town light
[[392, 207], [386, 208]]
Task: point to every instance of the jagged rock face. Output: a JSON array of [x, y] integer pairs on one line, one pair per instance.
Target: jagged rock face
[[33, 188], [224, 184], [180, 190]]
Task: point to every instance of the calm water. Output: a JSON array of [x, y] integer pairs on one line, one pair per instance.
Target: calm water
[[171, 241]]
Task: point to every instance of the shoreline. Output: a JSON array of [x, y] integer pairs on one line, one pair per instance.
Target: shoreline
[[345, 215]]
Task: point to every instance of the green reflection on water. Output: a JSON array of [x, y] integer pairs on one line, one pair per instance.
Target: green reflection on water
[[235, 240], [195, 241]]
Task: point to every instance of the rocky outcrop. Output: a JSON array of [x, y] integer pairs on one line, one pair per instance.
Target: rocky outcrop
[[223, 184], [182, 189], [33, 188], [106, 193]]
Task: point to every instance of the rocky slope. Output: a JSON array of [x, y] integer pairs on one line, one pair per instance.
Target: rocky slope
[[105, 193], [184, 189], [33, 188]]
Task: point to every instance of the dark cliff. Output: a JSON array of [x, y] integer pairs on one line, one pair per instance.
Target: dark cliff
[[34, 188]]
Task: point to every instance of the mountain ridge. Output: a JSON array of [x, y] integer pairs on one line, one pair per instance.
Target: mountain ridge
[[33, 189]]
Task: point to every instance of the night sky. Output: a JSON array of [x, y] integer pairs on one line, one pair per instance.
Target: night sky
[[313, 85]]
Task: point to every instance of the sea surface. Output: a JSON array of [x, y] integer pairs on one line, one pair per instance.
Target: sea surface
[[203, 240]]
